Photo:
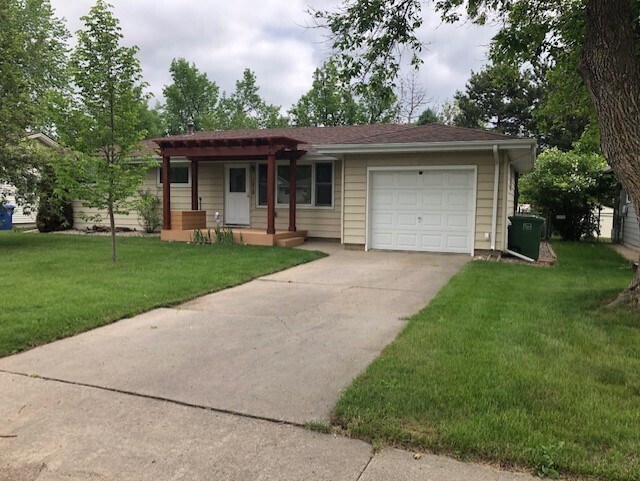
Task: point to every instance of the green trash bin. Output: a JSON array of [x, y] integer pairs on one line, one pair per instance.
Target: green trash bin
[[525, 232]]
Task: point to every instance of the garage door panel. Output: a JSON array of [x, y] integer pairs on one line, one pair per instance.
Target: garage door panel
[[435, 199], [458, 221], [428, 210], [407, 199], [407, 219]]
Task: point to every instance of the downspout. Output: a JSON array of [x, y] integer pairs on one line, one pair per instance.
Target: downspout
[[496, 179], [506, 214], [342, 189]]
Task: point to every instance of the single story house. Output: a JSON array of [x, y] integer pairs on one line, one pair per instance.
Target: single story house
[[430, 188], [22, 216]]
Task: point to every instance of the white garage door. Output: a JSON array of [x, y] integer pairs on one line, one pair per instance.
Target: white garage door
[[422, 210]]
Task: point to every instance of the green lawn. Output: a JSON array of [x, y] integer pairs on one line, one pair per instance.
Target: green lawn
[[54, 286], [510, 360]]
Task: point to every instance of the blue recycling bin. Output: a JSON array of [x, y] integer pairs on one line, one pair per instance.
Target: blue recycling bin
[[6, 216]]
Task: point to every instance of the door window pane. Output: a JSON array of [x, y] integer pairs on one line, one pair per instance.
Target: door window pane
[[237, 179]]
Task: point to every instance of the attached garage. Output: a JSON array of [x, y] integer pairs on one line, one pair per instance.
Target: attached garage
[[429, 209]]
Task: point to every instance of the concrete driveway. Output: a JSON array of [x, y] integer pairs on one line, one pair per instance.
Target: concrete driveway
[[192, 393], [281, 347]]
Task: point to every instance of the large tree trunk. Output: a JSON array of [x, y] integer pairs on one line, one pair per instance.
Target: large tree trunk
[[610, 69]]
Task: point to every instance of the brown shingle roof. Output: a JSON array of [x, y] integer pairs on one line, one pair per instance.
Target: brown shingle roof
[[356, 134]]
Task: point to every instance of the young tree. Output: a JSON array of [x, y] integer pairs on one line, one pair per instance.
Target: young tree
[[32, 76], [595, 40], [192, 97], [109, 86], [246, 109]]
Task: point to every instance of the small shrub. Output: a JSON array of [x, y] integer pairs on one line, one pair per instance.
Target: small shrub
[[147, 209], [55, 211]]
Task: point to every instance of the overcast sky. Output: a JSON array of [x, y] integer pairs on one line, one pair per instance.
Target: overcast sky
[[223, 37]]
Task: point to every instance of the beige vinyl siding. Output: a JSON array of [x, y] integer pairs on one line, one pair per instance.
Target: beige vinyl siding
[[322, 222], [355, 189], [210, 189]]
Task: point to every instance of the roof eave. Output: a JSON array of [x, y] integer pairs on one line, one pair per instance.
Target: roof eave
[[509, 145]]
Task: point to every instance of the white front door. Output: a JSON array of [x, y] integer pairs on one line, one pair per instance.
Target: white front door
[[422, 209], [237, 196]]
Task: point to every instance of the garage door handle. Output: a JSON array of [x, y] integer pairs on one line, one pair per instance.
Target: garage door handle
[[419, 220]]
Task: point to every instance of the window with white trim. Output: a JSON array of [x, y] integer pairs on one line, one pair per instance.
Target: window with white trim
[[314, 184], [180, 175]]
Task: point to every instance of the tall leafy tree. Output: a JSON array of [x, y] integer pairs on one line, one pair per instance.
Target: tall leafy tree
[[32, 79], [501, 97], [329, 102], [590, 44], [109, 98], [192, 97], [246, 109]]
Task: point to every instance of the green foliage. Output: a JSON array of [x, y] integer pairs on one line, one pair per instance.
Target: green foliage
[[201, 238], [192, 97], [246, 109], [429, 116], [329, 102], [147, 207], [224, 236], [55, 211], [151, 121], [366, 37], [545, 464], [32, 77], [500, 97], [569, 184], [104, 120]]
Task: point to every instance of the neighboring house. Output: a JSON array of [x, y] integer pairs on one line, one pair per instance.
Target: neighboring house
[[627, 229], [429, 188], [22, 216]]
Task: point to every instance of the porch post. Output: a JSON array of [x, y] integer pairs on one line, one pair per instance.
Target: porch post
[[292, 194], [194, 185], [166, 193], [271, 194]]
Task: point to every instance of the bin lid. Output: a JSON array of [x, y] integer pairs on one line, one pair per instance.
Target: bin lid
[[526, 217]]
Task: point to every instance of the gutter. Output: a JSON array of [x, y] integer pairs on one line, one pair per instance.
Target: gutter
[[496, 180], [520, 256], [424, 146]]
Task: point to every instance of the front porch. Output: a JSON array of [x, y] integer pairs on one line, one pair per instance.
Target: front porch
[[185, 224], [237, 154]]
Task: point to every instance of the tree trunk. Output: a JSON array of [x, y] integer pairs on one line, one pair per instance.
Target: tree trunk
[[112, 222], [611, 71]]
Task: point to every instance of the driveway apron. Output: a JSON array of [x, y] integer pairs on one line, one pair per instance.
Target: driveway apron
[[281, 347]]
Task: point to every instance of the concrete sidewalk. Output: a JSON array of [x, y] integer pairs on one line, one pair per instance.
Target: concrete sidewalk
[[66, 431]]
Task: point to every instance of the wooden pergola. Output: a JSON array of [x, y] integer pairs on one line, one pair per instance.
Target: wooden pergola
[[209, 148]]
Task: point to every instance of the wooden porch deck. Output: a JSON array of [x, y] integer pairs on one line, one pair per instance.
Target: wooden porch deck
[[256, 237]]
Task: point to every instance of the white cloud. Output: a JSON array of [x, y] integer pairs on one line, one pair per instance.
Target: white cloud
[[224, 37]]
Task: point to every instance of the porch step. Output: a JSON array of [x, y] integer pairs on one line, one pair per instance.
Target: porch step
[[290, 242]]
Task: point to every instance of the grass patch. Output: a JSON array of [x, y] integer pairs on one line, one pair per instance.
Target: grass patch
[[516, 365], [54, 286], [318, 426]]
